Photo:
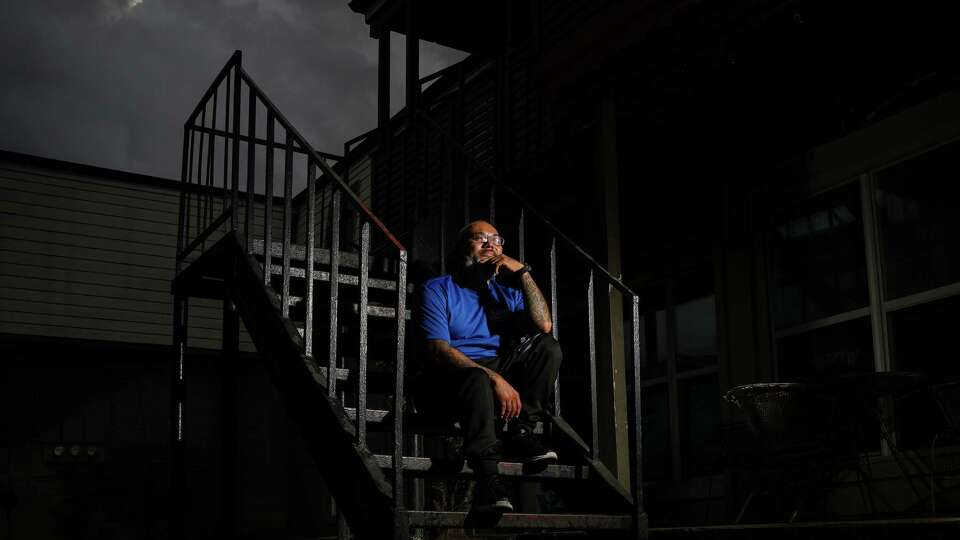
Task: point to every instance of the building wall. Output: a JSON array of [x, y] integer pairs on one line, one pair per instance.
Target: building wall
[[87, 253], [86, 260]]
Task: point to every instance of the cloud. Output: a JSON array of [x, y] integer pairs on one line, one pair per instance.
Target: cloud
[[109, 82]]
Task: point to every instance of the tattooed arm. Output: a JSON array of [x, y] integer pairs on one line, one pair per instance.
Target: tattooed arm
[[536, 304], [533, 299]]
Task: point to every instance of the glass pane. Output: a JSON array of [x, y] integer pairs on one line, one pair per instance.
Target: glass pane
[[922, 339], [700, 424], [826, 352], [656, 433], [697, 333], [818, 258], [919, 215]]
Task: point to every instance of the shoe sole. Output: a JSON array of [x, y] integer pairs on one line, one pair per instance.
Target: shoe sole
[[498, 507], [538, 464]]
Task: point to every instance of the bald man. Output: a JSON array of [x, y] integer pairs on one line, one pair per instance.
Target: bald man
[[490, 359]]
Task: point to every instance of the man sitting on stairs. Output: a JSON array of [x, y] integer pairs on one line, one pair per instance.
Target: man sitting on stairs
[[491, 360]]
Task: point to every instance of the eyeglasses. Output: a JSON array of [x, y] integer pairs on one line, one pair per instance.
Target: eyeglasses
[[483, 238]]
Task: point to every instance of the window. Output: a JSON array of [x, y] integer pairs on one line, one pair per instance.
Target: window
[[819, 261], [828, 318], [919, 222], [681, 387]]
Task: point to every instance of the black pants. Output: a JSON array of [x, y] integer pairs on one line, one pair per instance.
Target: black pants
[[466, 395]]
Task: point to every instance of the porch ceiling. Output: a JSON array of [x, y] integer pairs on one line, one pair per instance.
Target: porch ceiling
[[467, 25]]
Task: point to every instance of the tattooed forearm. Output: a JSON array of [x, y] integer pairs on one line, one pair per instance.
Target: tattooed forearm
[[536, 304]]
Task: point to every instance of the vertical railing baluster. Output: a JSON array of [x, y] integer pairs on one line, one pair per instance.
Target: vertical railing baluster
[[398, 401], [555, 311], [201, 169], [493, 203], [186, 197], [521, 236], [251, 169], [235, 177], [311, 244], [591, 320], [465, 182], [211, 168], [442, 233], [288, 223], [226, 129], [362, 360], [334, 288], [638, 346], [184, 167], [268, 202]]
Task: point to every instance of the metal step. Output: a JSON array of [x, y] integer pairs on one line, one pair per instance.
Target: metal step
[[426, 466], [343, 279], [460, 520], [381, 420], [378, 312], [299, 253], [384, 312], [342, 375]]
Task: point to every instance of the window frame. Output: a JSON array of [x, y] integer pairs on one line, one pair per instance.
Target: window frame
[[879, 307]]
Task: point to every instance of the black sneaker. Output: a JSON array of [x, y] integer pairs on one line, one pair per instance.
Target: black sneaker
[[490, 496], [523, 447]]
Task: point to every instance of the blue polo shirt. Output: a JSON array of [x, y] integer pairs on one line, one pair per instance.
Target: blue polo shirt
[[454, 314]]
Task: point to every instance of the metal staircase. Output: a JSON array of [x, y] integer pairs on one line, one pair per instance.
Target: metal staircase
[[330, 320]]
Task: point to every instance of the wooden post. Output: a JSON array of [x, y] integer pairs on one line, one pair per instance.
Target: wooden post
[[611, 367]]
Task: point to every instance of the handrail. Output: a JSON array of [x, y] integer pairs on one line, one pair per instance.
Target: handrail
[[327, 170], [615, 281], [248, 139], [234, 60], [300, 145]]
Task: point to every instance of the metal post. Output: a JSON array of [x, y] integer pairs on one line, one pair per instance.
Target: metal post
[[268, 202], [251, 169], [521, 236], [398, 396], [362, 367], [638, 348], [493, 203], [334, 289], [288, 224], [311, 245], [211, 159], [555, 311], [591, 320], [185, 166], [226, 129], [235, 191], [201, 169]]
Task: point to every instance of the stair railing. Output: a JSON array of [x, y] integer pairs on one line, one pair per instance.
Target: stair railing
[[597, 275], [223, 142]]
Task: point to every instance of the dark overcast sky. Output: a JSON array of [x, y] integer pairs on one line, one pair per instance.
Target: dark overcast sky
[[110, 82]]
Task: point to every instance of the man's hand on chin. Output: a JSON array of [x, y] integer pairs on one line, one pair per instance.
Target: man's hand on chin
[[499, 263]]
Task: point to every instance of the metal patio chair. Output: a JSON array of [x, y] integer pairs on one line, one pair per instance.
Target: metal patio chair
[[793, 430], [947, 396]]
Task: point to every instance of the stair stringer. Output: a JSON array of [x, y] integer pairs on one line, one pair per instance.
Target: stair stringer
[[349, 470]]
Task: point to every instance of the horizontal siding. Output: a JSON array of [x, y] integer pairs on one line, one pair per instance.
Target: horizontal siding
[[92, 258], [360, 174], [359, 182]]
